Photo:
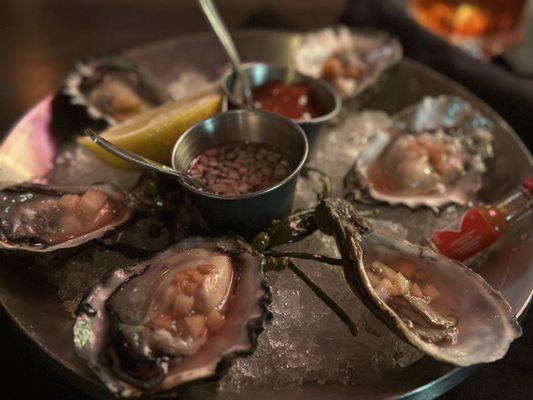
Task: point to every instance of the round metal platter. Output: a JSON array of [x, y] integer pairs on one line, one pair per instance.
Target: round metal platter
[[36, 309]]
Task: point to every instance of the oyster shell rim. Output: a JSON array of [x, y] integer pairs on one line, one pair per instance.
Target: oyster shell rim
[[80, 72], [362, 31], [357, 184], [514, 330], [338, 218], [108, 230], [118, 277]]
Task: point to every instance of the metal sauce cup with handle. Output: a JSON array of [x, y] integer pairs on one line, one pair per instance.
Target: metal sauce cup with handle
[[324, 95], [248, 213]]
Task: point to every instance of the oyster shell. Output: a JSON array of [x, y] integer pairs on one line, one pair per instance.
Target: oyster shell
[[351, 60], [174, 318], [433, 155], [39, 218], [436, 304], [113, 88]]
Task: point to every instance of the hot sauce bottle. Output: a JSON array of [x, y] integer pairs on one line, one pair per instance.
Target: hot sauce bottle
[[482, 226]]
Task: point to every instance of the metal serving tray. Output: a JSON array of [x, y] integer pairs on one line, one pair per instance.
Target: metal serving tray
[[37, 311]]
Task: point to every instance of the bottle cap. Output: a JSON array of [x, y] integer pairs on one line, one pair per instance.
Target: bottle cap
[[528, 184]]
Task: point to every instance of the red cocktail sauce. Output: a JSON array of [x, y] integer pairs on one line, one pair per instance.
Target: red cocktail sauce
[[480, 227], [294, 101]]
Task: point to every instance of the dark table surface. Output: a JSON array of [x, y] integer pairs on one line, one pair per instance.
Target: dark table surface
[[40, 41]]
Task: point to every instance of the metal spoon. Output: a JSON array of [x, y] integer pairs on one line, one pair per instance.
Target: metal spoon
[[223, 35], [146, 163]]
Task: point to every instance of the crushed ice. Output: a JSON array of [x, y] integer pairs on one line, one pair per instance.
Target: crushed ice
[[76, 166], [307, 343], [82, 271]]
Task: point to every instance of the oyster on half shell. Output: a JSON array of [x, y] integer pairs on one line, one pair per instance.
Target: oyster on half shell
[[113, 88], [174, 318], [433, 155], [438, 305], [38, 218], [351, 60]]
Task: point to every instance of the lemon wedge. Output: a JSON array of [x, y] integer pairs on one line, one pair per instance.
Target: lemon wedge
[[153, 133]]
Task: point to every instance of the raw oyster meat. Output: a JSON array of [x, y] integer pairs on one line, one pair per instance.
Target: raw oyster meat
[[351, 60], [433, 155], [38, 218], [113, 88], [177, 317], [436, 304]]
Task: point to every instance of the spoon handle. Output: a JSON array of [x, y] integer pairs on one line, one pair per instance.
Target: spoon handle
[[222, 32], [145, 162]]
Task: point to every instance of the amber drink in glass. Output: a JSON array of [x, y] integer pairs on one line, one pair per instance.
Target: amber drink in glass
[[482, 27]]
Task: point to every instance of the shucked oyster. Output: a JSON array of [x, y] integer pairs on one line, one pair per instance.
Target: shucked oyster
[[350, 60], [434, 154], [113, 88], [438, 305], [39, 218], [174, 318]]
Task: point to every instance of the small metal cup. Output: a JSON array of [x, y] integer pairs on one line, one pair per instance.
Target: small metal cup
[[245, 214], [325, 96]]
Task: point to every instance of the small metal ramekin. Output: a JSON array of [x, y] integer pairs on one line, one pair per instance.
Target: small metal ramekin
[[249, 213], [325, 96]]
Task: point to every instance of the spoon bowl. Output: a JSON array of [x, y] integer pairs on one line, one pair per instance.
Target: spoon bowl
[[146, 163]]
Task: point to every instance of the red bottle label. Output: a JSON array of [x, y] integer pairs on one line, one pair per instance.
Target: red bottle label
[[475, 233], [528, 184]]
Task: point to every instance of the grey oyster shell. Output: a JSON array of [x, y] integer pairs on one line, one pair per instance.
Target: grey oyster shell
[[113, 88], [370, 51], [429, 177], [135, 359], [14, 201], [466, 322]]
